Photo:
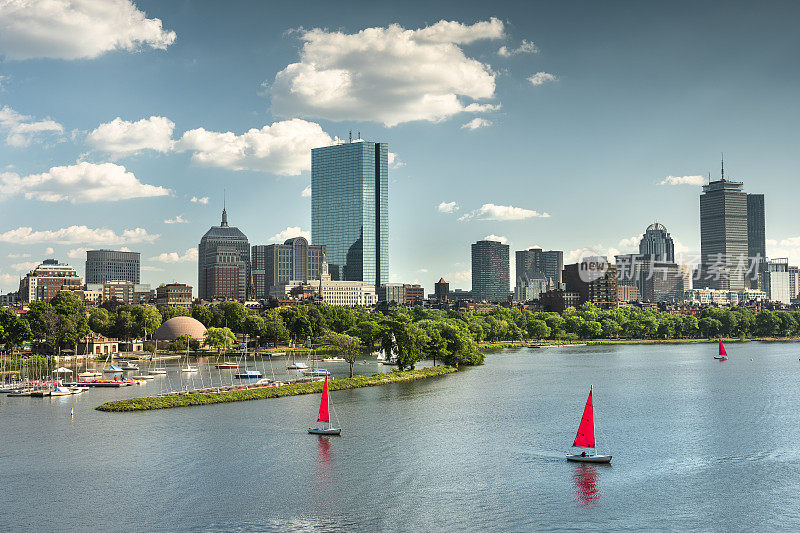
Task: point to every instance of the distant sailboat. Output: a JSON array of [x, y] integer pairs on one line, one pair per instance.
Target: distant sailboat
[[324, 416], [722, 355], [585, 437]]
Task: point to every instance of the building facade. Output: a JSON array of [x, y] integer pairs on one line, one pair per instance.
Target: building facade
[[776, 280], [112, 265], [174, 295], [595, 281], [756, 238], [294, 260], [349, 209], [441, 290], [223, 263], [120, 291], [558, 300], [48, 279], [723, 236], [490, 271], [401, 294], [657, 244], [536, 263]]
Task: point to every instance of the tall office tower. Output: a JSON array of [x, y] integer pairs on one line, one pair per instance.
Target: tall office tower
[[723, 236], [657, 244], [490, 271], [112, 265], [223, 263], [756, 237], [536, 263], [794, 282], [276, 264], [349, 209]]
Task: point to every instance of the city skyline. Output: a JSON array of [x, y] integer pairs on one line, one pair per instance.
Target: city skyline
[[140, 169]]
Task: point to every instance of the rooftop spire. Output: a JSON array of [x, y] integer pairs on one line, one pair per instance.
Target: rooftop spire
[[722, 167], [224, 212]]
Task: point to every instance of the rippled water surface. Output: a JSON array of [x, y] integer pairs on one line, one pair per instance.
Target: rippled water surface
[[697, 444]]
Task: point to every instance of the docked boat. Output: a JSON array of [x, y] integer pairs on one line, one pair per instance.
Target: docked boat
[[21, 392], [158, 371], [78, 390], [248, 374], [294, 365], [324, 427], [60, 391], [227, 365], [112, 369], [130, 366], [585, 437], [722, 355], [90, 374], [143, 376], [334, 360], [316, 372], [189, 369]]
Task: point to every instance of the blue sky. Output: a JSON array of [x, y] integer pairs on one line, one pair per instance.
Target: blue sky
[[498, 114]]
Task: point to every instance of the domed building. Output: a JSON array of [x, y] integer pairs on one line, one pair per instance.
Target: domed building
[[180, 325], [657, 244], [223, 263]]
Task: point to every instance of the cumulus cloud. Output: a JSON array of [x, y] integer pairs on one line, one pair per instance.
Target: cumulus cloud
[[394, 161], [75, 29], [448, 207], [631, 243], [684, 180], [281, 148], [76, 235], [77, 253], [458, 276], [196, 200], [25, 266], [498, 238], [290, 233], [177, 220], [49, 251], [525, 47], [502, 212], [575, 256], [540, 78], [390, 75], [174, 257], [18, 256], [22, 129], [82, 182], [121, 137], [306, 193], [476, 123]]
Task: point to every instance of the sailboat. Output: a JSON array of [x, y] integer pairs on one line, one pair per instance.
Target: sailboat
[[324, 416], [585, 437], [722, 354], [188, 368]]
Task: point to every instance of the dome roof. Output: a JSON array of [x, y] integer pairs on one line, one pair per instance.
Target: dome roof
[[656, 226], [180, 325]]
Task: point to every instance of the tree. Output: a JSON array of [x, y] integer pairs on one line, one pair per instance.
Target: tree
[[368, 331], [13, 329], [405, 340], [202, 314], [274, 329], [346, 346], [296, 322], [146, 319], [538, 329], [220, 338], [99, 321], [181, 343], [459, 347]]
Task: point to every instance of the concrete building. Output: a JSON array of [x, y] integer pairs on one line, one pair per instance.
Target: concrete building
[[112, 265], [441, 290], [401, 294], [756, 238], [705, 296], [595, 281], [530, 288], [536, 263], [490, 271], [223, 263], [661, 282], [350, 209], [776, 280], [657, 244], [794, 282], [558, 300], [174, 295], [46, 280], [120, 291], [294, 260], [9, 299]]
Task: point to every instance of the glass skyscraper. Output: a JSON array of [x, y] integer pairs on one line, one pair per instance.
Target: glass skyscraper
[[349, 209], [657, 244]]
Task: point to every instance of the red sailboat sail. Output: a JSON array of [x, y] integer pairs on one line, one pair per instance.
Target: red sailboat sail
[[323, 404], [722, 349], [585, 436]]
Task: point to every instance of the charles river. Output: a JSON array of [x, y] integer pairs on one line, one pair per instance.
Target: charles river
[[697, 444]]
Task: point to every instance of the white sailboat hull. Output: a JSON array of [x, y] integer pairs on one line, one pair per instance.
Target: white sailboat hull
[[578, 458], [325, 431]]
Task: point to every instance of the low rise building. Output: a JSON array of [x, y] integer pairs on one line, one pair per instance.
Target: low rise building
[[120, 291], [174, 295], [721, 297], [401, 294], [559, 300], [48, 279], [595, 280]]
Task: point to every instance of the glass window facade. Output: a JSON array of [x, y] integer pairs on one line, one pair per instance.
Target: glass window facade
[[349, 209]]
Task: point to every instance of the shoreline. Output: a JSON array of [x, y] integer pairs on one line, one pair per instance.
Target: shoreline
[[601, 342], [260, 393]]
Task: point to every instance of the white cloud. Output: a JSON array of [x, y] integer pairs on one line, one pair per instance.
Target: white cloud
[[76, 235], [476, 123], [502, 212], [574, 256], [394, 161], [121, 137], [281, 148], [174, 257], [22, 129], [74, 29], [81, 182], [684, 180], [422, 271], [25, 266], [540, 78], [289, 233], [18, 256], [498, 238], [458, 276], [177, 220], [390, 75], [49, 251], [77, 253], [448, 207], [196, 200], [150, 268], [789, 247], [306, 193], [631, 243], [525, 47]]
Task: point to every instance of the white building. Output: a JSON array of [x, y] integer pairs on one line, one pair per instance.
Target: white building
[[723, 297], [776, 281]]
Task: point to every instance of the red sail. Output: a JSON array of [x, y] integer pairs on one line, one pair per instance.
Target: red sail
[[323, 405], [585, 436], [722, 349]]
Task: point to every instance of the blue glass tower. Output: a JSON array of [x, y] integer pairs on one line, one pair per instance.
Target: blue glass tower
[[349, 209]]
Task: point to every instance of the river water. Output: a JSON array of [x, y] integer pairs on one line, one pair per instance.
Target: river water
[[697, 444]]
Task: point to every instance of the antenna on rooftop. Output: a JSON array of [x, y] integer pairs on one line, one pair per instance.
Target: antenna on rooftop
[[359, 134], [722, 167], [351, 135]]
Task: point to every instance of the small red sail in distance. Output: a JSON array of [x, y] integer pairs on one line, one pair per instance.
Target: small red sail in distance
[[323, 404], [585, 436], [722, 349]]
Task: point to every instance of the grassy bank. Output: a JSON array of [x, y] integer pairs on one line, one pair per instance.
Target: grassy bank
[[599, 342], [167, 402]]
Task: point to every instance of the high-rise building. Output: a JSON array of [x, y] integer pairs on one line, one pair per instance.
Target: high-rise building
[[490, 271], [112, 265], [723, 236], [595, 281], [794, 282], [223, 263], [537, 264], [756, 238], [776, 280], [276, 264], [48, 279], [657, 244], [349, 209]]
